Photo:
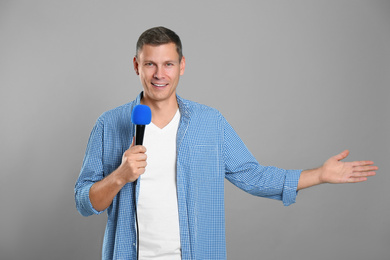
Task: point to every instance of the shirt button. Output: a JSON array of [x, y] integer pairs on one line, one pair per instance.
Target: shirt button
[[133, 244]]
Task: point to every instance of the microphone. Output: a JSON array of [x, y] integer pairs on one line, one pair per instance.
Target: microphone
[[140, 116]]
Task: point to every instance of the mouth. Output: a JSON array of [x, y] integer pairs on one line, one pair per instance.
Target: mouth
[[159, 85]]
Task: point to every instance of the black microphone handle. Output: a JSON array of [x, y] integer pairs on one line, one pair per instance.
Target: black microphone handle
[[139, 134], [139, 138]]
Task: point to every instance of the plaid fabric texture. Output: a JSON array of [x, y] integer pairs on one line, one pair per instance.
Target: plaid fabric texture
[[208, 150]]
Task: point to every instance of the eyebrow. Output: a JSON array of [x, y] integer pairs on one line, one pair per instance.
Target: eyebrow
[[167, 61]]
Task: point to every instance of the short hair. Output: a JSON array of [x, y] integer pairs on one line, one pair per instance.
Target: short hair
[[157, 36]]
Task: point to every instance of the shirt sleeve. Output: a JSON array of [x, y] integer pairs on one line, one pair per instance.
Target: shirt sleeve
[[243, 170], [91, 170]]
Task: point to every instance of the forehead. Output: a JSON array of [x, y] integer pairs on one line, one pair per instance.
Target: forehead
[[161, 52]]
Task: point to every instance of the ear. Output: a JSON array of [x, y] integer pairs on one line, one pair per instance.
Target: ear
[[182, 65], [135, 64]]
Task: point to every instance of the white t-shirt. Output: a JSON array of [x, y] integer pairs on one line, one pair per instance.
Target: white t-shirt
[[158, 217]]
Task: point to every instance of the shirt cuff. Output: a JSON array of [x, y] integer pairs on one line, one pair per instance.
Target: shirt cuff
[[290, 187], [85, 205]]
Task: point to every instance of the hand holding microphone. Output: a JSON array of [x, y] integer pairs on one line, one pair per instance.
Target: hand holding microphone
[[134, 159], [133, 165]]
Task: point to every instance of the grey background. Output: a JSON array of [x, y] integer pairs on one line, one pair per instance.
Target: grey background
[[300, 81]]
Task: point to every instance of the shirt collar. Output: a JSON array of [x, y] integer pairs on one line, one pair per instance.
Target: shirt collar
[[183, 104], [138, 99], [183, 107]]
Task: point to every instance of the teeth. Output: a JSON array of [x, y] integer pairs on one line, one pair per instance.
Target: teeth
[[157, 85]]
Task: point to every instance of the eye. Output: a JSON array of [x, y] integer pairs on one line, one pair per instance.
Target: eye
[[148, 64], [169, 64]]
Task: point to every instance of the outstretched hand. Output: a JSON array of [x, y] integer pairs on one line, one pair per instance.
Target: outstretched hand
[[336, 171]]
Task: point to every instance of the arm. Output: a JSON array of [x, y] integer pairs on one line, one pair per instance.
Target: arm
[[133, 165], [244, 171], [335, 171]]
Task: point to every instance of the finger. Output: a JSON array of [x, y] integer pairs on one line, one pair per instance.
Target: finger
[[141, 157], [142, 164], [341, 155], [357, 179], [133, 142], [134, 150], [136, 157], [363, 174], [138, 149], [365, 168], [141, 171], [361, 163]]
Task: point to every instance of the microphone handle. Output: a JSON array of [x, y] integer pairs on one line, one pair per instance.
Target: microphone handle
[[139, 134], [139, 138]]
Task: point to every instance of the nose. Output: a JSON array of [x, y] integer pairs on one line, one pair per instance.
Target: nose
[[159, 73]]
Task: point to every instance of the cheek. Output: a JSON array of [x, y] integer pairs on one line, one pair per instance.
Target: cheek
[[144, 81], [145, 75], [173, 74]]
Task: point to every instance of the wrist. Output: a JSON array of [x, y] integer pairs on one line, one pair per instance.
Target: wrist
[[120, 176], [320, 173], [310, 178]]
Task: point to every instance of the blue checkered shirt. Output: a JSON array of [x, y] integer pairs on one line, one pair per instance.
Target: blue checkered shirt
[[208, 150]]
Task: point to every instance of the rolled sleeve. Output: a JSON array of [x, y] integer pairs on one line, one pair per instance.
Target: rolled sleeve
[[244, 171], [290, 187], [83, 203], [91, 171]]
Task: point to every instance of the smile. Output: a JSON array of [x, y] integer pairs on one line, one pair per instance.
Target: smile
[[160, 85]]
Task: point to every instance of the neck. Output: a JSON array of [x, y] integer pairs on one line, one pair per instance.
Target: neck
[[162, 111]]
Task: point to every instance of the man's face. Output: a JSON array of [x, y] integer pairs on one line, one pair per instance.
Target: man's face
[[159, 70]]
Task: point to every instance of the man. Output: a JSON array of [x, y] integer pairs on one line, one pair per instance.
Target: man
[[188, 151]]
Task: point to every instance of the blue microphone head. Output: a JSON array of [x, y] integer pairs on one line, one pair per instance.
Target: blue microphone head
[[141, 115]]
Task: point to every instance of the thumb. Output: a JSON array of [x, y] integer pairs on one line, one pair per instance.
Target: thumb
[[133, 142], [341, 155]]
